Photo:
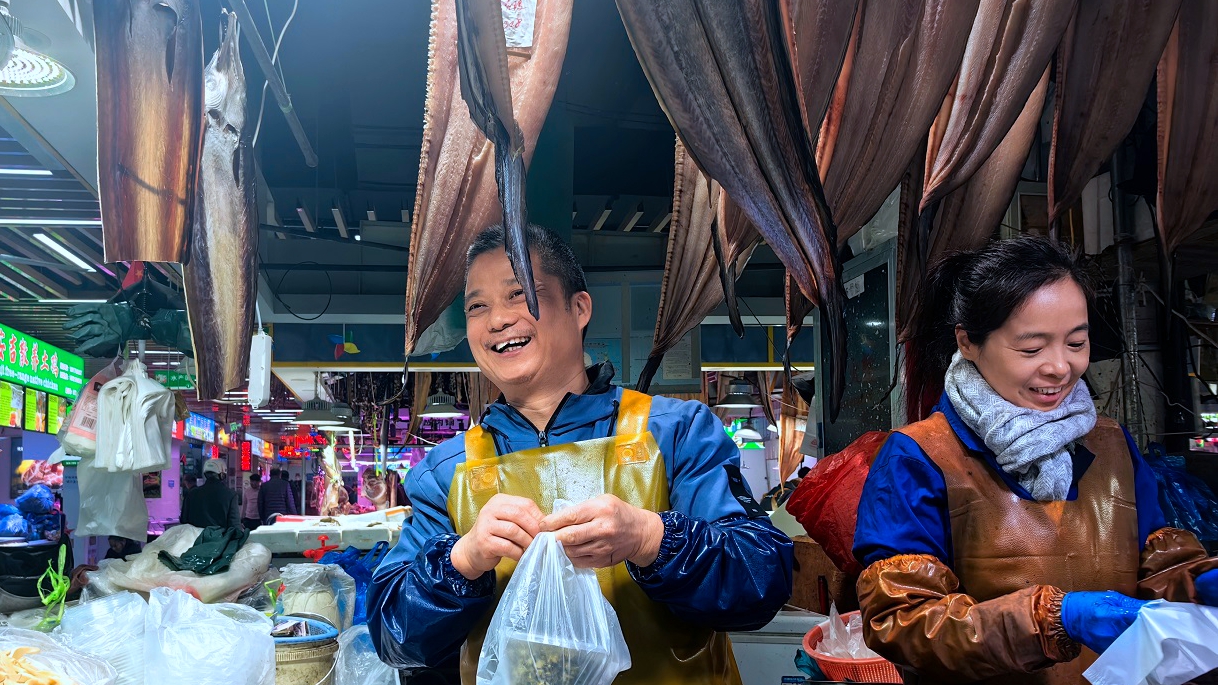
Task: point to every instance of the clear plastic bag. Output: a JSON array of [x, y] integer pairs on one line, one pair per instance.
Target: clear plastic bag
[[111, 629], [1168, 644], [844, 640], [357, 662], [319, 590], [186, 641], [66, 663], [111, 503], [79, 433], [552, 626]]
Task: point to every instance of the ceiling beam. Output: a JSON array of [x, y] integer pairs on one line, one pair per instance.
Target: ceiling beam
[[45, 283], [85, 250], [306, 219], [342, 223], [659, 226], [600, 221], [633, 219], [4, 275], [42, 254]]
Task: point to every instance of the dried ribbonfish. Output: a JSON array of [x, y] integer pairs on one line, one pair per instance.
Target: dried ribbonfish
[[149, 94], [723, 73], [456, 195], [220, 274]]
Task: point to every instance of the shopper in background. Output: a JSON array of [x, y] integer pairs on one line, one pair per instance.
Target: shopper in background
[[275, 497], [250, 518], [213, 503], [121, 547], [1012, 491]]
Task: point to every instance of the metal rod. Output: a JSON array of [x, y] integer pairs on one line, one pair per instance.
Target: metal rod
[[1126, 234], [254, 38]]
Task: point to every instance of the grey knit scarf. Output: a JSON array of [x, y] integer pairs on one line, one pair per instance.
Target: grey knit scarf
[[1032, 446]]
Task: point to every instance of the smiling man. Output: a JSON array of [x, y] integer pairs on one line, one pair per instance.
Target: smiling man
[[682, 550]]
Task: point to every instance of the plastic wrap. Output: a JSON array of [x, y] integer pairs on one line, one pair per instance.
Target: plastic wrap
[[1168, 644], [826, 501], [73, 666], [111, 629], [186, 641], [357, 662], [144, 571], [844, 640], [78, 437], [552, 626], [319, 590]]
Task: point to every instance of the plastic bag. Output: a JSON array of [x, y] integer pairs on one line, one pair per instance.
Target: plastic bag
[[144, 571], [552, 626], [111, 503], [65, 662], [8, 510], [78, 437], [1169, 643], [1187, 502], [186, 641], [111, 629], [826, 502], [844, 640], [357, 662], [360, 567], [321, 590], [36, 500], [15, 526], [135, 420]]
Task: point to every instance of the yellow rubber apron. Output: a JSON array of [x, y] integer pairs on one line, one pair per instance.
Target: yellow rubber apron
[[664, 650]]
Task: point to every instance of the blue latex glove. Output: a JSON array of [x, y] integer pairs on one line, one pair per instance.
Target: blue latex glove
[[1207, 587], [1096, 619]]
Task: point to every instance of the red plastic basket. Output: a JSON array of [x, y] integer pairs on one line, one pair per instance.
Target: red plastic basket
[[876, 670]]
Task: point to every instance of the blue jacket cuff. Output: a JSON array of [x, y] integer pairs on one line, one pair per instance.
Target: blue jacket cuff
[[483, 586], [676, 527]]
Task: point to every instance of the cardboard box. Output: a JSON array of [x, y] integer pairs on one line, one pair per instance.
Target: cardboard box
[[811, 565]]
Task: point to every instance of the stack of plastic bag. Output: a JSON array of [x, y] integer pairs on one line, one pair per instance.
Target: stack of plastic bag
[[78, 437], [111, 629], [319, 591], [844, 640], [357, 662], [33, 650], [186, 641], [1169, 643], [135, 420]]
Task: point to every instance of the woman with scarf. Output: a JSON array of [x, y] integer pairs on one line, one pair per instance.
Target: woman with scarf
[[1011, 534]]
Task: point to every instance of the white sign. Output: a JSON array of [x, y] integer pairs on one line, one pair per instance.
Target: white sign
[[518, 18], [854, 287]]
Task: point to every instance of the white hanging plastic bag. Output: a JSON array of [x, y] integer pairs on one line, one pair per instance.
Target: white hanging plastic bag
[[552, 626], [111, 503], [111, 629], [79, 434], [1169, 643], [134, 420], [186, 641], [357, 662]]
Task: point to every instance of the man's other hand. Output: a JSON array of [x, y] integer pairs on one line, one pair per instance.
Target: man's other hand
[[505, 527], [605, 531]]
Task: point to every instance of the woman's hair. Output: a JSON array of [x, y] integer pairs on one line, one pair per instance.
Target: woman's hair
[[978, 291]]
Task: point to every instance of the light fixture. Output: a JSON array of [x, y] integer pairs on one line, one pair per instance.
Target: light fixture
[[316, 413], [772, 428], [44, 300], [440, 406], [63, 251], [19, 171], [747, 433], [10, 221], [33, 74], [341, 409], [739, 396], [346, 425]]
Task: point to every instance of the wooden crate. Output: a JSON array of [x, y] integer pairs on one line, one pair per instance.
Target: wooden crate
[[812, 564]]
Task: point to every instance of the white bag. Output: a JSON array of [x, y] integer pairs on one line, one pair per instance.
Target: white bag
[[135, 420], [552, 626], [1169, 643], [323, 590], [111, 629], [357, 662], [79, 434], [111, 503], [186, 641]]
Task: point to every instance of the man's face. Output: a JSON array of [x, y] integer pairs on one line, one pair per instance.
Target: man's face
[[511, 347]]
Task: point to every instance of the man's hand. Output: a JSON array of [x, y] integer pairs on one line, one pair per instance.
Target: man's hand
[[505, 527], [605, 531]]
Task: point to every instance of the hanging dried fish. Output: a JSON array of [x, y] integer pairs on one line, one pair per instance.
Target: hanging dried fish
[[902, 59], [149, 57], [820, 34], [1188, 124], [709, 243], [1011, 43], [1105, 64], [220, 275], [722, 71], [457, 194]]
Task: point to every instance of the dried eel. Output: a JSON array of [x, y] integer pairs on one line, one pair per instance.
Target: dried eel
[[1188, 124], [723, 74], [1106, 63], [149, 57], [1009, 46], [457, 194], [221, 274]]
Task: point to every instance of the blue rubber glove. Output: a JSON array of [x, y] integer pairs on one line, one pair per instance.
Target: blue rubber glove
[[1207, 587], [1096, 619]]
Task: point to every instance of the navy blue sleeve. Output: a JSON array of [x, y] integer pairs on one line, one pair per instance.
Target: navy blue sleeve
[[1146, 493], [722, 563], [903, 509], [420, 608]]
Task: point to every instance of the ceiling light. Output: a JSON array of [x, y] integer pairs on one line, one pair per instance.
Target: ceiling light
[[11, 171], [43, 300], [440, 406], [49, 222], [33, 74], [747, 434], [62, 251], [346, 426], [315, 413], [739, 396], [341, 409]]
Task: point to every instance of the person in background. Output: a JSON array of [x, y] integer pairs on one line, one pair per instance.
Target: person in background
[[397, 492], [250, 518], [121, 548], [275, 497], [213, 503], [1013, 530], [779, 494]]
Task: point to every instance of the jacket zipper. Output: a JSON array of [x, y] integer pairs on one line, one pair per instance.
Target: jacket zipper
[[543, 435]]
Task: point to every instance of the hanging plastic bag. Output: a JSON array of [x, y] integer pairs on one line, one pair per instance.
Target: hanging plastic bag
[[111, 503], [1169, 643], [135, 420], [826, 501], [111, 629], [186, 641], [78, 437], [552, 626], [357, 662], [319, 590], [41, 652]]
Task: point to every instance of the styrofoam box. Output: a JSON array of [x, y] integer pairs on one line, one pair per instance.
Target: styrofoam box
[[366, 537], [767, 656]]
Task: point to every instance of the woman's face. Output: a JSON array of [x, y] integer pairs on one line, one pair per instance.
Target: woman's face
[[1036, 357]]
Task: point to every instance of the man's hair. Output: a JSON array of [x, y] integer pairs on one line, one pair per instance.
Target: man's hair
[[285, 475], [255, 478], [552, 255], [274, 473]]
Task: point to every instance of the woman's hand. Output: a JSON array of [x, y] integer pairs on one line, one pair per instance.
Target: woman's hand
[[1097, 619]]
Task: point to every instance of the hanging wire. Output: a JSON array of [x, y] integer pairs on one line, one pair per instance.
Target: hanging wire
[[274, 61]]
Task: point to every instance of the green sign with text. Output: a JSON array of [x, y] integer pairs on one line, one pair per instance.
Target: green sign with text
[[174, 380], [27, 360]]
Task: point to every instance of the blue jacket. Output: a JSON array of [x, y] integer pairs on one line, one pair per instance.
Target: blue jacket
[[721, 564], [903, 509]]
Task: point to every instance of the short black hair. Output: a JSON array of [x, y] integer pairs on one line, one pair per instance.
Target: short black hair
[[285, 475], [553, 254], [255, 477], [274, 473], [803, 471]]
